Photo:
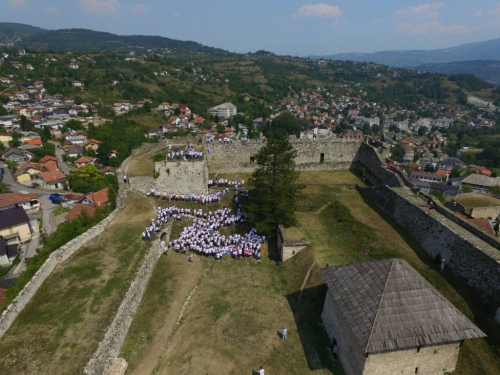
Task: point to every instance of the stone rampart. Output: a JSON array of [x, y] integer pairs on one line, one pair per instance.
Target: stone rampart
[[109, 348], [372, 165], [58, 256], [182, 177], [475, 261], [237, 157]]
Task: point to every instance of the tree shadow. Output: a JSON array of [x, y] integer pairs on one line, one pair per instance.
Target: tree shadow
[[313, 337]]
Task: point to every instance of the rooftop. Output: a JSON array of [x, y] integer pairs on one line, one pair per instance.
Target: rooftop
[[388, 305]]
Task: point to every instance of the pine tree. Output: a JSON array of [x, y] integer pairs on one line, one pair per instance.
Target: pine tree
[[275, 189]]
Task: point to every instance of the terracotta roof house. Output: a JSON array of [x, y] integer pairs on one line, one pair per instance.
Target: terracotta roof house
[[28, 171], [108, 170], [77, 209], [91, 144], [27, 201], [98, 199], [33, 142], [53, 179], [84, 160], [387, 319], [48, 158]]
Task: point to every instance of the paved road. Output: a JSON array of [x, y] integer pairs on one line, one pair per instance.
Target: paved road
[[47, 205], [63, 167]]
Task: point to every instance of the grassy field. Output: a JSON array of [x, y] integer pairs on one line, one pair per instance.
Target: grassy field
[[232, 322], [472, 201], [60, 328]]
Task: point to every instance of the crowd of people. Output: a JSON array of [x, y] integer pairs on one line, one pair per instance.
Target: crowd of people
[[221, 182], [203, 237], [190, 197], [189, 153]]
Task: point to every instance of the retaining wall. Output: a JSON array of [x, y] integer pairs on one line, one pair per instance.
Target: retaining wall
[[485, 212], [182, 177], [476, 262], [109, 348], [58, 256]]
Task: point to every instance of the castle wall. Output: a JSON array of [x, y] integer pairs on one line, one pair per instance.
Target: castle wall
[[182, 177], [334, 154], [475, 261]]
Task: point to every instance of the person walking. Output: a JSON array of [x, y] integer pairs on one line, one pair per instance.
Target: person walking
[[261, 371], [283, 334]]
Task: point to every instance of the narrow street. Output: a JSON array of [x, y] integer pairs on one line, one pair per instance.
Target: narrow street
[[47, 207], [63, 167]]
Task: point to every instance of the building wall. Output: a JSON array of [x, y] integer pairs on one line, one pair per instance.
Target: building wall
[[349, 351], [430, 360], [475, 261], [23, 230], [485, 212]]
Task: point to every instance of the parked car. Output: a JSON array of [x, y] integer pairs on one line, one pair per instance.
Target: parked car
[[70, 196], [57, 198]]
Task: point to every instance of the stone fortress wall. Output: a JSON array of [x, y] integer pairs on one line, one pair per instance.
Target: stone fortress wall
[[182, 177], [474, 260], [334, 154]]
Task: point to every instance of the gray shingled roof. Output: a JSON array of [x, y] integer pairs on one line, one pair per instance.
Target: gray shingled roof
[[388, 305]]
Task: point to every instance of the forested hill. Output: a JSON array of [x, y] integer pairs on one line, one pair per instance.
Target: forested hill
[[488, 70], [77, 40]]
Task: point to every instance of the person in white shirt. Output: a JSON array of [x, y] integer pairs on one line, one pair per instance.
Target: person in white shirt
[[283, 335], [261, 371]]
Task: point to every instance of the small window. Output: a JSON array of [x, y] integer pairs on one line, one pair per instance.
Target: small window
[[416, 370], [418, 350], [322, 158], [252, 159], [435, 351]]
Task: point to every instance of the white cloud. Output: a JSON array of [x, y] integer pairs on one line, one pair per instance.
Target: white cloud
[[420, 12], [434, 26], [320, 10], [52, 10], [18, 4], [101, 8], [139, 9]]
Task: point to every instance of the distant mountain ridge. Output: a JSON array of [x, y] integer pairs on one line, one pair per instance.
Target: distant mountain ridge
[[79, 40], [487, 50], [488, 70]]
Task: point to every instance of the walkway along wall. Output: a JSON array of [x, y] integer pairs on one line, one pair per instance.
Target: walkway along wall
[[59, 256], [476, 262]]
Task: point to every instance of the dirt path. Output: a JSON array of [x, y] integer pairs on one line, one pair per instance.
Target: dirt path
[[190, 274]]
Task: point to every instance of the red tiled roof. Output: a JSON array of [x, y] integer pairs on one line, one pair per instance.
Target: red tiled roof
[[78, 209], [51, 176], [33, 142], [84, 159], [47, 158]]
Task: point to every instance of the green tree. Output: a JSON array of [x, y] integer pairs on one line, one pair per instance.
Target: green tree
[[495, 190], [26, 124], [4, 188], [3, 111], [275, 188], [220, 128], [467, 189], [422, 130], [15, 139], [285, 123]]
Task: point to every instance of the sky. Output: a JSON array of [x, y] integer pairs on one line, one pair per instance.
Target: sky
[[285, 27]]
